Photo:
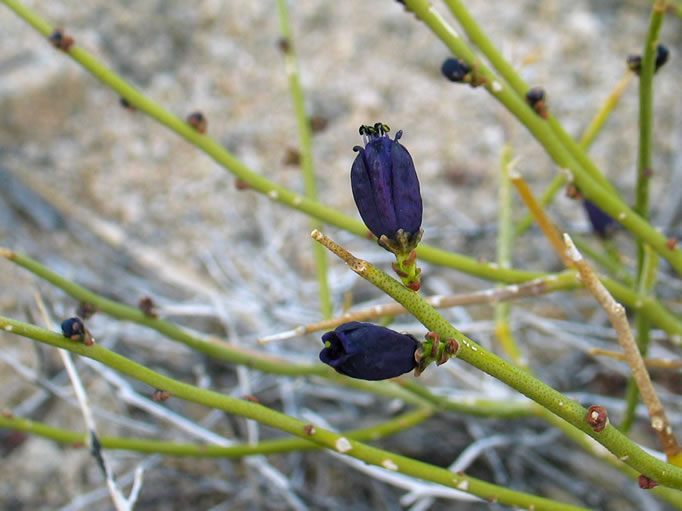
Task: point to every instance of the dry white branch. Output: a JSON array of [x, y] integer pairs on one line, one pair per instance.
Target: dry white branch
[[616, 312], [120, 501]]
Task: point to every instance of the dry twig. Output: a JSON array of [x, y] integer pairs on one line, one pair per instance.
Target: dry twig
[[618, 318]]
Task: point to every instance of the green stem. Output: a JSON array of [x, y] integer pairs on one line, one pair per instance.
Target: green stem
[[263, 415], [589, 135], [509, 74], [517, 378], [586, 443], [505, 239], [305, 147], [646, 103], [487, 408], [647, 282], [151, 446], [644, 257], [290, 199], [593, 188], [563, 281]]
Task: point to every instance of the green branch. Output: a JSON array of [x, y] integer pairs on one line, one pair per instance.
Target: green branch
[[505, 240], [305, 145], [257, 182], [592, 187], [519, 379], [563, 281], [646, 106], [151, 446], [646, 269], [509, 74], [268, 417]]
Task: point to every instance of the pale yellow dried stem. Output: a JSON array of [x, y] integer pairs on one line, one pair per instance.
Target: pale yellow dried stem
[[487, 296], [359, 266], [618, 318], [541, 218], [7, 254], [660, 363]]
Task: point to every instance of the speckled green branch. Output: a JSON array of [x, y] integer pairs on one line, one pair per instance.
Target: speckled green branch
[[645, 269], [239, 355], [591, 187], [152, 446], [306, 150], [563, 281], [589, 135], [519, 379], [670, 495], [257, 182], [509, 74], [307, 431], [284, 445], [646, 106]]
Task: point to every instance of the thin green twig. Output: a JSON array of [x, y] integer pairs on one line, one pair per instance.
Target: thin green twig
[[588, 136], [592, 188], [505, 240], [644, 161], [152, 446], [563, 281], [646, 104], [257, 182], [306, 150]]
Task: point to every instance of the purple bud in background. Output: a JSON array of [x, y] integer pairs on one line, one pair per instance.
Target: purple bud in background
[[368, 352], [455, 70], [634, 62], [73, 327], [385, 185], [602, 224]]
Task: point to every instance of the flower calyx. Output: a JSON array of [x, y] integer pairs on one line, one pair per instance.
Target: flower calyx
[[434, 350]]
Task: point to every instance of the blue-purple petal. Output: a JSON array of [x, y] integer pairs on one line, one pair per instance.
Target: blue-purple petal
[[602, 224], [386, 188], [407, 197], [369, 352]]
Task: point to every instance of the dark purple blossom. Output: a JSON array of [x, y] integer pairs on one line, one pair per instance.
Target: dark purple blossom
[[385, 185], [368, 352], [602, 224]]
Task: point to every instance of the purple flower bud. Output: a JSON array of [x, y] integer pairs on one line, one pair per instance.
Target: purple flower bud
[[634, 62], [602, 224], [455, 70], [368, 352], [534, 95], [385, 185], [73, 327]]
